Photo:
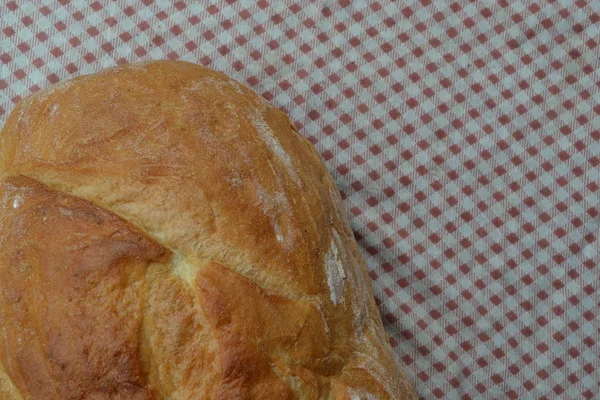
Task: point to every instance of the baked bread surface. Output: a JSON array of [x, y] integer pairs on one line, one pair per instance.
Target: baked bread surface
[[165, 233]]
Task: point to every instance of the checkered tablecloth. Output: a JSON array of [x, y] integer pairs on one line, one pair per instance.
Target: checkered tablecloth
[[464, 136]]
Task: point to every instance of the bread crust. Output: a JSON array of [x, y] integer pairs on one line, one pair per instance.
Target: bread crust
[[194, 246]]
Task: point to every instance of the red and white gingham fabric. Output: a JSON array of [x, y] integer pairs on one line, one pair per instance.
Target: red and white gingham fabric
[[464, 136]]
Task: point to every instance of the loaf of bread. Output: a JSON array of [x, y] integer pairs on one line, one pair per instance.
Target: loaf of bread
[[165, 233]]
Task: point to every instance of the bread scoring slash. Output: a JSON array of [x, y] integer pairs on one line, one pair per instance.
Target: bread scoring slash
[[165, 233]]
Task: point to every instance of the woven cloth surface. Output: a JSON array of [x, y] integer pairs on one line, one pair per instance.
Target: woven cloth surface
[[464, 137]]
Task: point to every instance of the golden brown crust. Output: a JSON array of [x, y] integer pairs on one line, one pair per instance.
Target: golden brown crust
[[71, 300], [251, 286]]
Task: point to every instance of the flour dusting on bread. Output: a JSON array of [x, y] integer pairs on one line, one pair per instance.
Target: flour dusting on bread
[[334, 265], [277, 207], [267, 135], [17, 202], [356, 395]]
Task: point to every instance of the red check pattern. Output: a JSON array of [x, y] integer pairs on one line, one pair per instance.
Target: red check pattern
[[464, 136]]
